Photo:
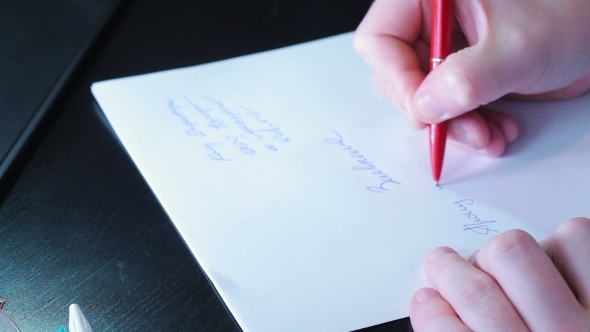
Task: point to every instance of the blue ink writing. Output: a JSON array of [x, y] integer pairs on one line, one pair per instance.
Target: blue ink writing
[[213, 151], [238, 119], [247, 131], [365, 164], [214, 123], [476, 225], [191, 126], [277, 133], [242, 147]]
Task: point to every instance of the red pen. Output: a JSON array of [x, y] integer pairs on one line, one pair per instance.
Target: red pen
[[440, 48]]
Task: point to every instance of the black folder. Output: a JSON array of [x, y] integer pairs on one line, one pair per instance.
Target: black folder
[[42, 42]]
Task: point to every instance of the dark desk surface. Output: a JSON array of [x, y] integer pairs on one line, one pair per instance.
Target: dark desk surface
[[77, 221]]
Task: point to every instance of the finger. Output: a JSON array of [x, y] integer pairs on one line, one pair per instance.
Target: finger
[[422, 50], [385, 87], [497, 144], [475, 296], [430, 312], [504, 122], [476, 133], [402, 19], [385, 39], [531, 282], [569, 249], [474, 76], [471, 130]]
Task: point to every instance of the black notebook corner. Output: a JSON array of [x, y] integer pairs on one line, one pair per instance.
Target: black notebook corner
[[42, 44]]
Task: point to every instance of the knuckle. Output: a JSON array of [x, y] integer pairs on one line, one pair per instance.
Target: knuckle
[[477, 289], [579, 226], [512, 243]]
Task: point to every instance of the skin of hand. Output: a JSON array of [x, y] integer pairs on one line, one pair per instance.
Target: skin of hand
[[531, 49], [512, 284]]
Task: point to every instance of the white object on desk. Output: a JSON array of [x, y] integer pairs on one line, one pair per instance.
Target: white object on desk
[[307, 198], [78, 322]]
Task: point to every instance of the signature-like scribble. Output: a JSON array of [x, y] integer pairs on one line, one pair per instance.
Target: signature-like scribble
[[365, 164], [476, 225]]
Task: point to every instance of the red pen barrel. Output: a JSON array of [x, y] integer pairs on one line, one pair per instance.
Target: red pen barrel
[[440, 48], [438, 140], [440, 31]]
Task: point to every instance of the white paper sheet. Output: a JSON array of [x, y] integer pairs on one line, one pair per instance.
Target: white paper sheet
[[308, 199]]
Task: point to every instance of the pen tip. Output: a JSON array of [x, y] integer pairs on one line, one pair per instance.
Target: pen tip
[[436, 183]]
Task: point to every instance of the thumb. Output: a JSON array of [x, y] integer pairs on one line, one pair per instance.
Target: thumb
[[471, 77]]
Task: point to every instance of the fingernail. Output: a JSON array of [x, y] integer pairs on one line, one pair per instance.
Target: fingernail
[[424, 295], [429, 110], [473, 257], [436, 253]]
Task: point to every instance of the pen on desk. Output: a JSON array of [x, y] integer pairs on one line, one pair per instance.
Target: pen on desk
[[440, 48], [78, 322]]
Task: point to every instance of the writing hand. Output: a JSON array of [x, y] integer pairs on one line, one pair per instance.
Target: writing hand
[[526, 48], [512, 284]]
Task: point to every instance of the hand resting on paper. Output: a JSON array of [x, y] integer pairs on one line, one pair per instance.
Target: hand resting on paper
[[528, 49], [512, 284]]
